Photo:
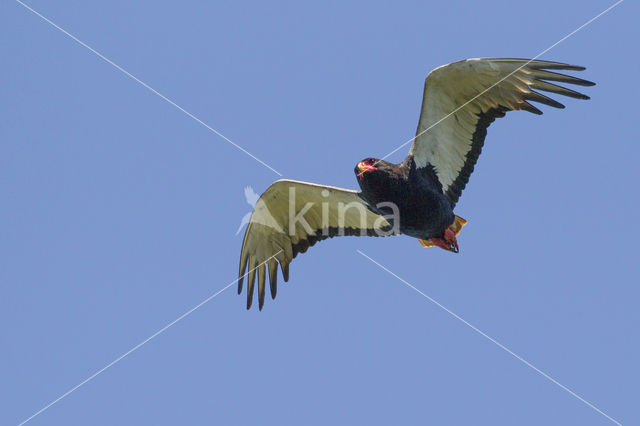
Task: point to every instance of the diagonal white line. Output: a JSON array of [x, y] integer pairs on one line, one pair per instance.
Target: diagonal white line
[[504, 78], [142, 83], [491, 339], [136, 347]]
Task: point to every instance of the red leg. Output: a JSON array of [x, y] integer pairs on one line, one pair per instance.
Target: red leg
[[447, 242], [451, 241]]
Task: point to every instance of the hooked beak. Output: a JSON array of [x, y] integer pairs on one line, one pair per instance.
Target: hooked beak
[[363, 167]]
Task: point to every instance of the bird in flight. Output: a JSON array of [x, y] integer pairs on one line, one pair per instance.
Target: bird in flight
[[415, 197]]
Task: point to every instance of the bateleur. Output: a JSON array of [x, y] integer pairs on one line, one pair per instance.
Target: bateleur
[[417, 196]]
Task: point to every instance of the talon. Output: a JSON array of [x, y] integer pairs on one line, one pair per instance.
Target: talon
[[447, 242], [450, 238]]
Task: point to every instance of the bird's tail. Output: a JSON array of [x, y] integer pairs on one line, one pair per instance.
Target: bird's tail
[[457, 225]]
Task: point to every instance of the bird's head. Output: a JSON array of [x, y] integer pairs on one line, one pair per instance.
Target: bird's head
[[368, 165]]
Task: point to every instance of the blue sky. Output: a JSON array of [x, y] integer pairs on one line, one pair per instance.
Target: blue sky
[[119, 214]]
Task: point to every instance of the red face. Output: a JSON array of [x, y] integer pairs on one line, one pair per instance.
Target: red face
[[365, 166]]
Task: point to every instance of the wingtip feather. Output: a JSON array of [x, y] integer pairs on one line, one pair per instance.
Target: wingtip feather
[[251, 285], [528, 107], [273, 278], [261, 284], [285, 272]]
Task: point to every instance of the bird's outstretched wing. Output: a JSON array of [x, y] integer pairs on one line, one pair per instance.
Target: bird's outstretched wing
[[290, 217], [463, 98]]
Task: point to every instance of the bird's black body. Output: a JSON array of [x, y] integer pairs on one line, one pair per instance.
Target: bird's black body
[[424, 210]]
